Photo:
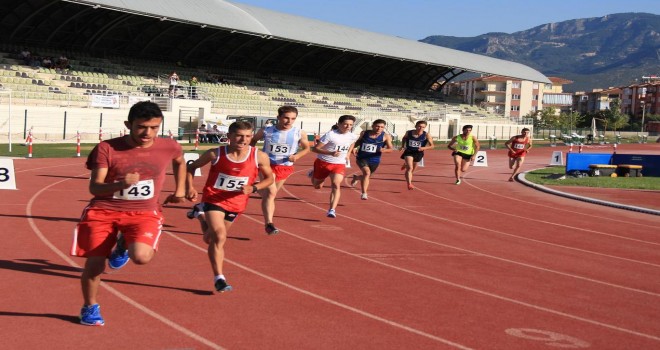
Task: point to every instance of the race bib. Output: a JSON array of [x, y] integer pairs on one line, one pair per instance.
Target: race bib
[[414, 144], [140, 191], [369, 148], [342, 148], [279, 149], [519, 146], [464, 148], [230, 183]]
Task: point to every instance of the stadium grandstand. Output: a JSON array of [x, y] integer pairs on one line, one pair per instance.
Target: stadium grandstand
[[91, 60]]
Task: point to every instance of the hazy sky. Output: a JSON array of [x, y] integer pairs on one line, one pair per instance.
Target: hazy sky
[[417, 19]]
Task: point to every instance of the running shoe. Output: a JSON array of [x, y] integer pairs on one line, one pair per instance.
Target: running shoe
[[195, 211], [332, 213], [403, 167], [119, 256], [458, 182], [364, 197], [354, 181], [221, 286], [91, 315], [271, 229], [411, 187], [310, 173]]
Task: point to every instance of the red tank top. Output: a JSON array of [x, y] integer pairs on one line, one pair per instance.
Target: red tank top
[[519, 148], [227, 177]]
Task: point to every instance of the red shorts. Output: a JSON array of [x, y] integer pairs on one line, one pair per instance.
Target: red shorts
[[96, 233], [323, 169], [517, 154], [282, 172]]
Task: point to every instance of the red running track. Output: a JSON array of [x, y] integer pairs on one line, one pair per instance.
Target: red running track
[[488, 264]]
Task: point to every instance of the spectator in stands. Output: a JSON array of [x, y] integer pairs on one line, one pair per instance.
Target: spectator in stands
[[47, 62], [465, 147], [284, 144], [62, 62], [214, 134], [174, 81], [193, 87], [332, 149], [230, 182], [203, 137], [128, 173], [26, 56], [368, 149], [518, 147], [413, 145]]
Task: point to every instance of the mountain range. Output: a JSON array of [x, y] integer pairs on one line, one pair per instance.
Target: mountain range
[[610, 51]]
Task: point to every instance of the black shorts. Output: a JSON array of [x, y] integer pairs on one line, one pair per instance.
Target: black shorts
[[416, 155], [230, 216], [463, 155], [364, 162]]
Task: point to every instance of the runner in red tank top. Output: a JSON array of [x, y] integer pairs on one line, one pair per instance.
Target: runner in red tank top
[[228, 187], [518, 147]]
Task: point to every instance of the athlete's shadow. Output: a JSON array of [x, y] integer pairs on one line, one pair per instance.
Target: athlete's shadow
[[199, 234], [44, 267], [65, 177], [67, 318]]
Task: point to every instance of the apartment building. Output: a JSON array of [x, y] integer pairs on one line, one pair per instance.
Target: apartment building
[[515, 98]]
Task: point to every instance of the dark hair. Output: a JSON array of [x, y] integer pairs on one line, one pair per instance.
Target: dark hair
[[467, 127], [524, 129], [235, 126], [378, 121], [286, 109], [421, 122], [346, 117], [144, 110]]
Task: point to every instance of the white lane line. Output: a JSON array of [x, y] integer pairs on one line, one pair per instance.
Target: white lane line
[[555, 208], [456, 285], [112, 290], [322, 298], [382, 228]]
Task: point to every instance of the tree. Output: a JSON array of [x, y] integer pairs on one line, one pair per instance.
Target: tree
[[547, 118], [615, 119], [570, 121]]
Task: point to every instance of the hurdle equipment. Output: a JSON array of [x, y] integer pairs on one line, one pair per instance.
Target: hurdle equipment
[[28, 141], [78, 144], [481, 159], [196, 139], [629, 170], [602, 170]]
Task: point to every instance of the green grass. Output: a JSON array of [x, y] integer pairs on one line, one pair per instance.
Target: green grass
[[552, 175], [65, 150]]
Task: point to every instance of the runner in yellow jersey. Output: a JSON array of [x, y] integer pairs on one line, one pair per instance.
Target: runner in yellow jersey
[[465, 147]]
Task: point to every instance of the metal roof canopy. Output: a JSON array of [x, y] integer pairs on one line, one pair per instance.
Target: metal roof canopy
[[226, 34]]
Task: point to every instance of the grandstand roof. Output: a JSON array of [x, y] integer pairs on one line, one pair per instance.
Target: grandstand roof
[[222, 33]]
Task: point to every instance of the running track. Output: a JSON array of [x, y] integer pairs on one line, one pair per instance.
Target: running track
[[485, 265]]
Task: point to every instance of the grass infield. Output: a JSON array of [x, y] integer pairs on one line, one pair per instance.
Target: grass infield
[[555, 175]]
